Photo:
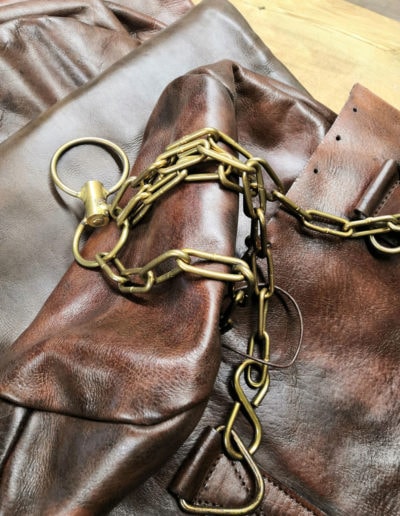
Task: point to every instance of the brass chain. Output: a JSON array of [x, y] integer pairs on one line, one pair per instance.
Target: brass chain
[[334, 225], [175, 166], [237, 170]]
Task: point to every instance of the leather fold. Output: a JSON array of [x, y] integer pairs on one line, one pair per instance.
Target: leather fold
[[102, 395], [127, 379], [335, 410], [148, 363], [116, 106], [51, 48], [338, 404]]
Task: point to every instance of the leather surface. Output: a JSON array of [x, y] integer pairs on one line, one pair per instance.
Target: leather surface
[[330, 422], [322, 418], [50, 48], [208, 478], [67, 397], [121, 382], [38, 373], [115, 107], [121, 438], [325, 439], [344, 386]]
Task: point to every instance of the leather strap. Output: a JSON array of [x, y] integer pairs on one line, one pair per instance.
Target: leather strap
[[379, 190]]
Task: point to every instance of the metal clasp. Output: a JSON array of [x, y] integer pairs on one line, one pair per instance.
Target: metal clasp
[[93, 193]]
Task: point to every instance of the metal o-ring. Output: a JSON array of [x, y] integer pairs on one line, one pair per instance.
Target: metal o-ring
[[383, 248], [101, 142]]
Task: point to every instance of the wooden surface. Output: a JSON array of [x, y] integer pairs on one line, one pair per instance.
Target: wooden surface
[[329, 45], [390, 8]]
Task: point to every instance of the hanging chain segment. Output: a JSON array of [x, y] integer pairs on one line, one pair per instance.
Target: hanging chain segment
[[210, 155]]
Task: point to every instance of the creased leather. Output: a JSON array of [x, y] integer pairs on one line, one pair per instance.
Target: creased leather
[[116, 107], [70, 397], [115, 361], [50, 48], [208, 478], [71, 382], [331, 421], [38, 373]]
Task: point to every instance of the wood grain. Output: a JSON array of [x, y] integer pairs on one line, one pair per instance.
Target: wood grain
[[390, 8], [329, 45]]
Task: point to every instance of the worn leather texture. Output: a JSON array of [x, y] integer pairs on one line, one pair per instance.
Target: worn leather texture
[[328, 435], [37, 373], [50, 48], [90, 401], [103, 395], [349, 437], [115, 106]]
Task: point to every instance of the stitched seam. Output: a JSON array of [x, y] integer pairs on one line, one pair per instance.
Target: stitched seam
[[201, 497], [387, 197], [240, 477], [280, 488]]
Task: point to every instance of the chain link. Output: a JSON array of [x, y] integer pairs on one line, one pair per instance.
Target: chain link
[[175, 166], [330, 224], [235, 169]]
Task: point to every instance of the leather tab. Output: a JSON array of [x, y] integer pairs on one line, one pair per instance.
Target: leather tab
[[193, 472], [378, 190]]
